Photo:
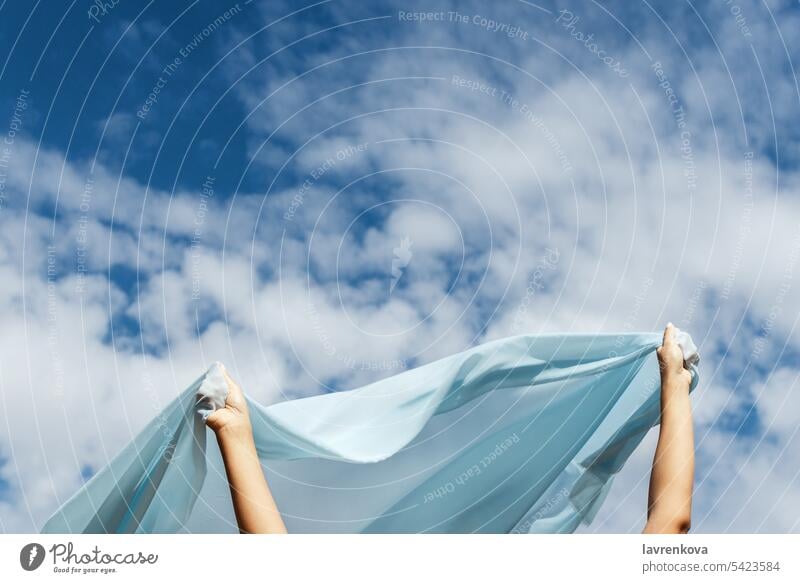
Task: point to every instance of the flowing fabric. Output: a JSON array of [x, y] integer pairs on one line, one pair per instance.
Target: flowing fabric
[[518, 435]]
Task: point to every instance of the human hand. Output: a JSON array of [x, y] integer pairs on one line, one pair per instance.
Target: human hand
[[253, 504], [670, 360], [234, 417]]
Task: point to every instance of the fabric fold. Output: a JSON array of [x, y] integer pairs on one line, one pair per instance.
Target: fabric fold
[[522, 434]]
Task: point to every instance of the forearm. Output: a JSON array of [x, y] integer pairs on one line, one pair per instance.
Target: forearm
[[671, 481], [256, 512]]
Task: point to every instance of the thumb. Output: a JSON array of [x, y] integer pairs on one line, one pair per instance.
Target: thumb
[[235, 396], [669, 334]]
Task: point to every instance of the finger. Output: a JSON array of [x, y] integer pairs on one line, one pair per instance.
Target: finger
[[233, 387], [669, 334]]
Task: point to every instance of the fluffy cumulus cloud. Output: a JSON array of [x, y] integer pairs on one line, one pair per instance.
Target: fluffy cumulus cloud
[[323, 195]]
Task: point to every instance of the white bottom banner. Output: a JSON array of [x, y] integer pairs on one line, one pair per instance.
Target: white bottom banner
[[415, 558]]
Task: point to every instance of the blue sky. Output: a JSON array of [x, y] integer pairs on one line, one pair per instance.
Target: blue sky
[[320, 194]]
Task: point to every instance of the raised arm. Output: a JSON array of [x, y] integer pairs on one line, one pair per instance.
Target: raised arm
[[256, 512], [669, 507]]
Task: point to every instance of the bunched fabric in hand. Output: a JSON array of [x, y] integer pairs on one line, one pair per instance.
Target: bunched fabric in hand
[[519, 435]]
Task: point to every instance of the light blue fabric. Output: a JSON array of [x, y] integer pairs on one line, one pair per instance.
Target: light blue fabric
[[522, 434]]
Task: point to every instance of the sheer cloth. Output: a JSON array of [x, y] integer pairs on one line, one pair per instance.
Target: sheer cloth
[[519, 435]]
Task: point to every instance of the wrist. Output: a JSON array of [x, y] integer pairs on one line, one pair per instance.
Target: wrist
[[670, 377], [234, 432], [675, 384], [676, 376]]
